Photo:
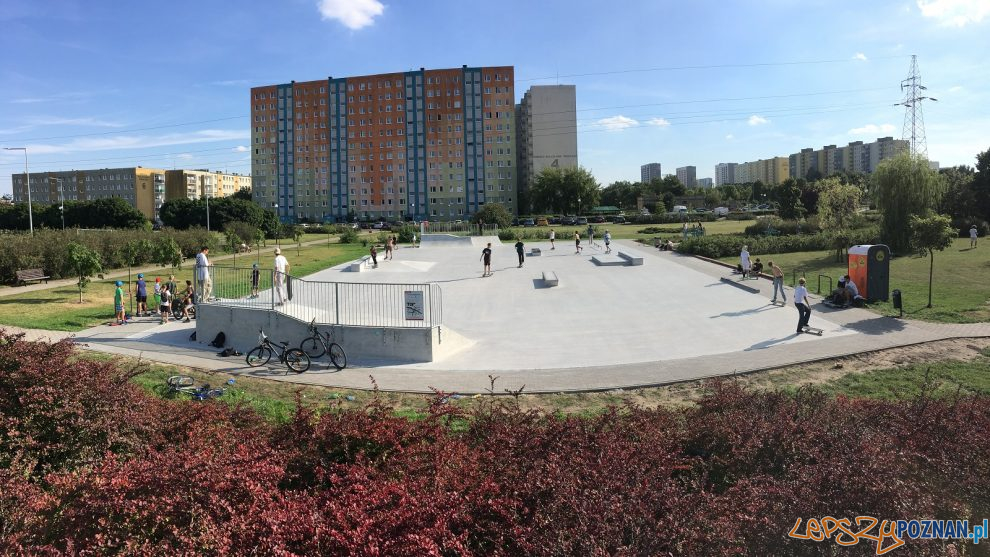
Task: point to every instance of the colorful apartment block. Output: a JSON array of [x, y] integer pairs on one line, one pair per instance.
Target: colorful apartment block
[[427, 144], [142, 188], [196, 184]]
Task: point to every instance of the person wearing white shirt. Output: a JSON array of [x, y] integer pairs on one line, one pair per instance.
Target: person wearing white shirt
[[744, 261], [281, 268], [803, 305], [852, 291], [203, 280], [973, 235]]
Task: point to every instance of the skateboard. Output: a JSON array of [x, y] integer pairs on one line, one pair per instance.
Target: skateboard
[[781, 304], [812, 330]]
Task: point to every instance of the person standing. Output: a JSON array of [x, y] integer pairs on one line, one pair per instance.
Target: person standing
[[973, 235], [577, 243], [187, 300], [204, 283], [388, 248], [166, 306], [255, 279], [281, 268], [519, 251], [141, 297], [374, 255], [173, 288], [591, 235], [608, 242], [778, 282], [158, 293], [118, 303], [803, 305], [744, 261], [486, 257], [553, 236]]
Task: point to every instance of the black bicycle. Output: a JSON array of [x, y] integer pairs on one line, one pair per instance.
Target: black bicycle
[[293, 358], [323, 343]]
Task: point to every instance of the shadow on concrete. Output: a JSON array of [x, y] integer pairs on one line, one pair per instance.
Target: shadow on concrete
[[770, 342], [742, 312], [877, 325]]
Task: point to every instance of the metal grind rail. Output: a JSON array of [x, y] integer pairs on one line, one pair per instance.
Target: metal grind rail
[[399, 305]]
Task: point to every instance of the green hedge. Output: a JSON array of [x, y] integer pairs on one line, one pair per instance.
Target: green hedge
[[718, 246], [47, 248]]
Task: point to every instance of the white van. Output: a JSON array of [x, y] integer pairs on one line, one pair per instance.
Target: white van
[[721, 211], [679, 209]]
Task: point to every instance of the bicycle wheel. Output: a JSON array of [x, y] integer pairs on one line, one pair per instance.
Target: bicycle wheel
[[337, 356], [259, 356], [177, 381], [296, 360], [313, 347]]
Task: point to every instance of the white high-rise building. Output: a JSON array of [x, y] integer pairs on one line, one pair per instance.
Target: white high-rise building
[[725, 173], [688, 176], [547, 121]]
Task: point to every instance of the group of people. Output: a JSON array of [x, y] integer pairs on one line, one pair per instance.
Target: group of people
[[390, 245], [166, 294]]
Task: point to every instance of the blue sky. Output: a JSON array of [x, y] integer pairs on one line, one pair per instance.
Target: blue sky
[[166, 84]]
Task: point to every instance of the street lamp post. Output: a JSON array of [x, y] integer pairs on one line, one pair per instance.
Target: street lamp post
[[207, 192], [278, 224], [27, 179]]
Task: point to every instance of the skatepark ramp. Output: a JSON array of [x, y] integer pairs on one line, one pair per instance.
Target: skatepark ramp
[[453, 240]]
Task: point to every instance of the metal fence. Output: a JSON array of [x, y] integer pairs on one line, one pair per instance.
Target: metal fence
[[446, 227], [338, 303]]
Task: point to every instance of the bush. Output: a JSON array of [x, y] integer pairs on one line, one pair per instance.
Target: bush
[[349, 236], [658, 230], [783, 227], [717, 246], [670, 218], [962, 224], [89, 464]]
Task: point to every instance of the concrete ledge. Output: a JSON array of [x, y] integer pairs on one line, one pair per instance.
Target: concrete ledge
[[359, 265], [398, 345], [550, 278], [738, 284], [535, 252], [608, 260], [631, 257]]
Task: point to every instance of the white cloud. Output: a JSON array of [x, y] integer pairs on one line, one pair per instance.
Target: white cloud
[[354, 14], [730, 137], [956, 88], [58, 121], [859, 56], [872, 129], [755, 120], [955, 13], [184, 156], [659, 122], [231, 83], [139, 141], [241, 149], [616, 123]]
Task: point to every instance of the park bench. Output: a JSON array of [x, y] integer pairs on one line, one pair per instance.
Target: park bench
[[358, 265], [550, 278], [31, 274]]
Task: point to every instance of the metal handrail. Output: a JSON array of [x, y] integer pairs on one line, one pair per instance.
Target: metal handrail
[[794, 276], [820, 283]]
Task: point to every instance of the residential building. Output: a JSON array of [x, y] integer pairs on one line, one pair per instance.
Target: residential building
[[426, 144], [725, 173], [142, 188], [546, 122], [688, 176], [804, 164], [856, 157], [704, 182], [196, 184], [649, 172]]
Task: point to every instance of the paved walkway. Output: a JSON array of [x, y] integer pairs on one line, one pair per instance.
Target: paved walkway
[[856, 331]]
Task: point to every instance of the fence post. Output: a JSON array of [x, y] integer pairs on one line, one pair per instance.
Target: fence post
[[336, 302]]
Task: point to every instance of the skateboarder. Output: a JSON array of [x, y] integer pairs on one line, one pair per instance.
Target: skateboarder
[[142, 296], [803, 305], [486, 256], [553, 236], [374, 255], [519, 251], [118, 303], [608, 242], [778, 282], [744, 261], [577, 243]]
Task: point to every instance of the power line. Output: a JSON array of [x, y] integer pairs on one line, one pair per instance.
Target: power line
[[705, 67], [132, 129], [151, 156]]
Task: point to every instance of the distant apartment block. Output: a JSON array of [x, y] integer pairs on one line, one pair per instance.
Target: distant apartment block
[[856, 157], [546, 122], [142, 188], [725, 173], [768, 171], [649, 172], [688, 176], [196, 184], [429, 144], [704, 182]]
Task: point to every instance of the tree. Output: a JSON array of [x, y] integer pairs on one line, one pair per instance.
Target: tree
[[904, 186], [84, 263], [493, 213], [712, 198], [837, 206], [981, 185], [166, 252], [135, 253], [928, 235], [564, 189], [788, 196]]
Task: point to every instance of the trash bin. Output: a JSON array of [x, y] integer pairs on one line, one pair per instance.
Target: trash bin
[[869, 268], [896, 299]]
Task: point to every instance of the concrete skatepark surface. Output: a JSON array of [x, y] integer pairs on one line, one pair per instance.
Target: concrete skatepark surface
[[667, 321]]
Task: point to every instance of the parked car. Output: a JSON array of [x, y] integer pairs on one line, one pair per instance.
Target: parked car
[[597, 219], [365, 225], [619, 219], [515, 222], [568, 221], [542, 221], [700, 210], [528, 222], [554, 220], [721, 211], [581, 221]]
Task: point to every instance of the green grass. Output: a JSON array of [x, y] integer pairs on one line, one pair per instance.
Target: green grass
[[59, 309], [941, 379], [960, 289]]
